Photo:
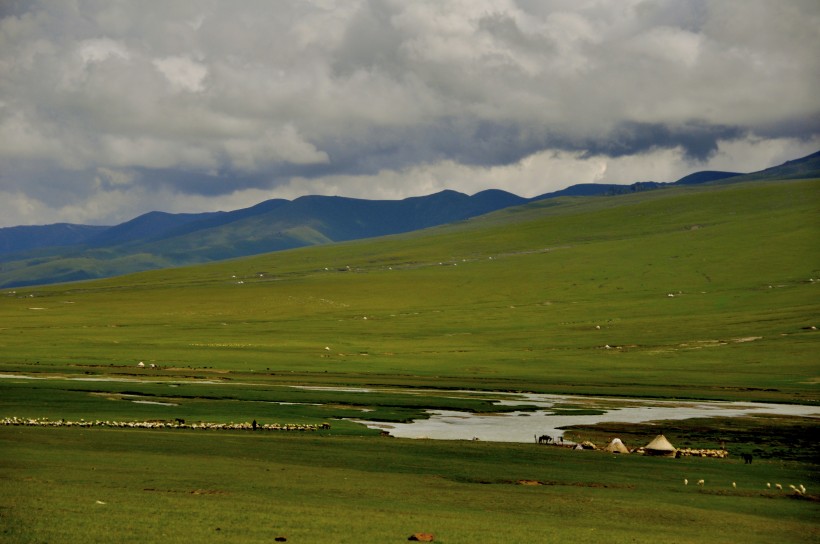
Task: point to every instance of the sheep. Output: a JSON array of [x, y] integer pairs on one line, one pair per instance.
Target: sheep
[[779, 487], [768, 485], [802, 489], [701, 482], [734, 485], [685, 481]]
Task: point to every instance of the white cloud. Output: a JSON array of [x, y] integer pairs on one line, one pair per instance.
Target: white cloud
[[98, 50], [17, 208], [22, 139], [282, 144], [182, 73], [667, 45], [156, 153]]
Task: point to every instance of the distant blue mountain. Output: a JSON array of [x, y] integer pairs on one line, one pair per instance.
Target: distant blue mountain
[[706, 176], [28, 238], [149, 226], [48, 254], [63, 252]]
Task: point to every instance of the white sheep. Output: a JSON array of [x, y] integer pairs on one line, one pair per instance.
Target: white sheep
[[685, 481], [701, 482], [802, 489], [778, 486], [734, 485], [768, 485]]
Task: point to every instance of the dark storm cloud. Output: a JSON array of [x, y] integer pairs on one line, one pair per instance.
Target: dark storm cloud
[[489, 143], [698, 139], [468, 141]]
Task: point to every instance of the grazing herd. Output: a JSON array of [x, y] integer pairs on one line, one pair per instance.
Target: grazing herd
[[799, 490], [162, 424]]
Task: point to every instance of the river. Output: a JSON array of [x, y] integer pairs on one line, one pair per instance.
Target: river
[[555, 411]]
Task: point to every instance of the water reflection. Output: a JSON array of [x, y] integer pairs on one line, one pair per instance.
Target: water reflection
[[557, 411]]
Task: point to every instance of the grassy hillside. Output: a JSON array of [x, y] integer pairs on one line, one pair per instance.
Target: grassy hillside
[[700, 291]]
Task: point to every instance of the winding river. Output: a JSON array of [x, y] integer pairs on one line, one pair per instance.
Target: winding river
[[556, 411]]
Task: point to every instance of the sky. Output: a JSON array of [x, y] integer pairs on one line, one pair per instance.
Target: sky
[[110, 109]]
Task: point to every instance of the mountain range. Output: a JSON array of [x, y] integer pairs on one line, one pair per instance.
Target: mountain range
[[35, 255]]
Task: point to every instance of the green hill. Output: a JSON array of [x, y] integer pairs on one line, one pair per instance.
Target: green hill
[[700, 291]]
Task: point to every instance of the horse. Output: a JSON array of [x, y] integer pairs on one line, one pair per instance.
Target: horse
[[544, 439], [747, 458]]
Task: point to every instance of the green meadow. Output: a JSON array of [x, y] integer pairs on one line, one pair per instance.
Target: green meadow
[[82, 485], [703, 292]]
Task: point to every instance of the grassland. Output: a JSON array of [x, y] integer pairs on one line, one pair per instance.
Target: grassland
[[78, 485], [698, 292]]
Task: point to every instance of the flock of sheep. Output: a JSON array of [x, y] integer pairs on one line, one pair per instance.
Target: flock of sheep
[[702, 452], [176, 424], [796, 489]]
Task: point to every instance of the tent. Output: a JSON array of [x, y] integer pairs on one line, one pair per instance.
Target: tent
[[660, 446], [616, 446]]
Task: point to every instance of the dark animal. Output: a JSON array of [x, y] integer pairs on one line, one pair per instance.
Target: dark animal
[[544, 439], [747, 458]]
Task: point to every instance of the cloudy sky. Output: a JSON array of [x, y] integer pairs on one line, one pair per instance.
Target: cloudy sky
[[110, 109]]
